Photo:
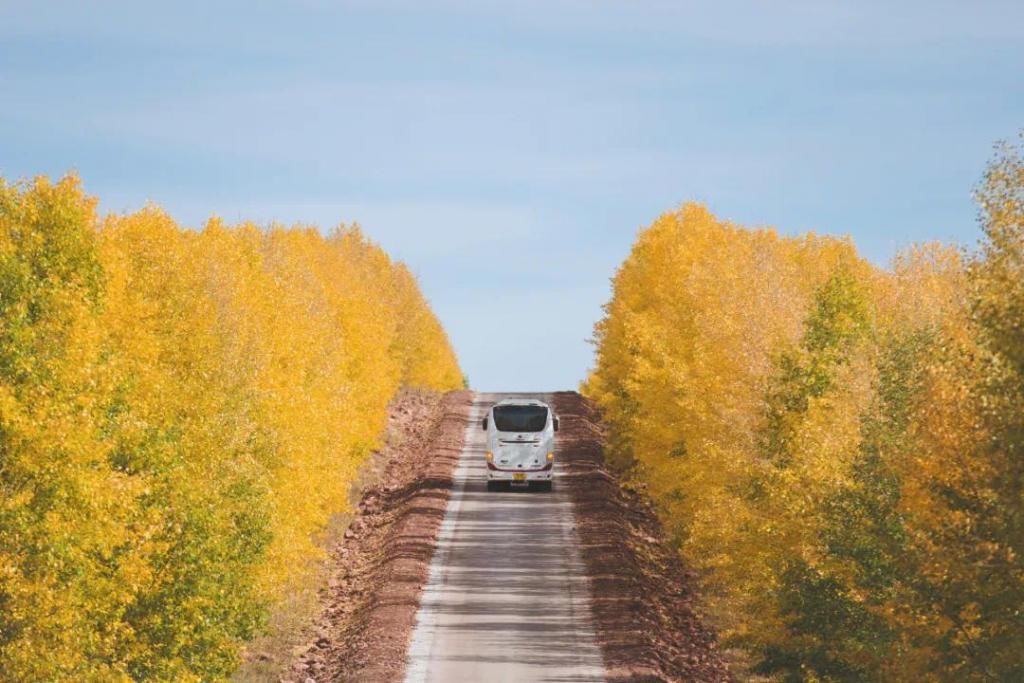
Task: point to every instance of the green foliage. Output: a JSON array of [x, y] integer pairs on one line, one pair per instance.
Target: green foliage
[[834, 610], [824, 623], [839, 319], [48, 264]]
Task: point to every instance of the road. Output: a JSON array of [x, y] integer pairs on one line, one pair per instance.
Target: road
[[506, 598]]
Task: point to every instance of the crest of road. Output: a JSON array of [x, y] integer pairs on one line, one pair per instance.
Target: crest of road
[[507, 596]]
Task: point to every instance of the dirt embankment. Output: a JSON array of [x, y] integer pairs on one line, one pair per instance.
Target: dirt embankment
[[643, 599], [380, 565]]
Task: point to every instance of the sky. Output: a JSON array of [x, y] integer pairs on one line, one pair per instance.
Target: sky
[[509, 152]]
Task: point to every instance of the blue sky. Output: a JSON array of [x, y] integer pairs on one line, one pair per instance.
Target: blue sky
[[508, 152]]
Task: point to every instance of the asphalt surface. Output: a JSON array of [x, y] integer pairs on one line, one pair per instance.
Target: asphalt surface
[[506, 598]]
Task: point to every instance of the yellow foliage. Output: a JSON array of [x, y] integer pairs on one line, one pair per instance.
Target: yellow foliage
[[181, 412], [803, 421], [700, 310]]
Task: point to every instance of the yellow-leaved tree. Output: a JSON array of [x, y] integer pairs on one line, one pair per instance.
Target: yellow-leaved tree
[[835, 447], [180, 414]]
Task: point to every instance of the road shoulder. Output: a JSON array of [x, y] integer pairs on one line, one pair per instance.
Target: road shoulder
[[379, 568], [642, 597]]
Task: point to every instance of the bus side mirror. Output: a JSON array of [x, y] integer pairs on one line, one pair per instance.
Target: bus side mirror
[[555, 424], [483, 424]]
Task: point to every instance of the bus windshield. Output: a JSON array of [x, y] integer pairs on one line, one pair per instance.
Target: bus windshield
[[520, 418]]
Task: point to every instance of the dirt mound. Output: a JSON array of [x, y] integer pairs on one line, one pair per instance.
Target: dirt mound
[[643, 598], [380, 565]]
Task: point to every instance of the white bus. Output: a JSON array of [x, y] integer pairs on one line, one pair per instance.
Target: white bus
[[520, 443]]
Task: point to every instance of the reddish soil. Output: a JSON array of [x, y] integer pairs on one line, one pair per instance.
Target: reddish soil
[[643, 598], [380, 565]]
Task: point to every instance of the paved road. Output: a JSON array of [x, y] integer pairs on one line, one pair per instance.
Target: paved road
[[506, 599]]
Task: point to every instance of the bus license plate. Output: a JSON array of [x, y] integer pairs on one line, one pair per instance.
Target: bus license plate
[[519, 476]]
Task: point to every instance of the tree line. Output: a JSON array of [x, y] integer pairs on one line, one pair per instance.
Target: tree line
[[181, 411], [837, 448]]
